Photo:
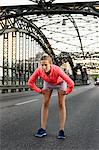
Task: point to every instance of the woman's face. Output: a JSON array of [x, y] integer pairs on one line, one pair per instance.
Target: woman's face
[[45, 65]]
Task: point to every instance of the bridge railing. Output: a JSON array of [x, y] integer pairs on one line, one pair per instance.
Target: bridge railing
[[18, 88]]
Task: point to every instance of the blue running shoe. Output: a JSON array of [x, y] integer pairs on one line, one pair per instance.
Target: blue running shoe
[[41, 133], [61, 135]]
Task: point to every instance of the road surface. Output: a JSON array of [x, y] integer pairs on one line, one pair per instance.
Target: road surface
[[20, 118]]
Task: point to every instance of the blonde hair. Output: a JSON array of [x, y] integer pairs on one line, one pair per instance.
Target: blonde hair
[[46, 57]]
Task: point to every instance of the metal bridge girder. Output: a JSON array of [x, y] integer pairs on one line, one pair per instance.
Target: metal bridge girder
[[85, 8], [21, 24]]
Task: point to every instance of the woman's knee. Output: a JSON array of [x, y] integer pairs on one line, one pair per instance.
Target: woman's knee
[[46, 99], [61, 105], [46, 104]]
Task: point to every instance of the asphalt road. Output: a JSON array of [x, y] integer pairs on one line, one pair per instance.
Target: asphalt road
[[20, 118]]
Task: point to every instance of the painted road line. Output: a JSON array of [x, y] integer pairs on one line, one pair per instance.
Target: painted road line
[[27, 102], [22, 103]]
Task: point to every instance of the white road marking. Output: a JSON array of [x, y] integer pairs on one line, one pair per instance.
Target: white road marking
[[34, 100], [27, 102]]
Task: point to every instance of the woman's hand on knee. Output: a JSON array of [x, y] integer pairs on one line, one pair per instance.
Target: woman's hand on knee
[[62, 92], [45, 91]]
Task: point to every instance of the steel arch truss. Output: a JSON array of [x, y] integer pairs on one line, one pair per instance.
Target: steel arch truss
[[27, 34], [23, 25], [42, 7]]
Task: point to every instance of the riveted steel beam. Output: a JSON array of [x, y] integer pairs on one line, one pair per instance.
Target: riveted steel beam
[[85, 8]]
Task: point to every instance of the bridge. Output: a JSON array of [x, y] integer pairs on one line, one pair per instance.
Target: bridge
[[26, 31], [69, 32]]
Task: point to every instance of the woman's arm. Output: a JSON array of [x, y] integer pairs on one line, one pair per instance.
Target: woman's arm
[[32, 80], [68, 80]]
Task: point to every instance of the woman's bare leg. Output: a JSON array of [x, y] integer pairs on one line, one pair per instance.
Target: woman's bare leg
[[62, 110], [44, 109]]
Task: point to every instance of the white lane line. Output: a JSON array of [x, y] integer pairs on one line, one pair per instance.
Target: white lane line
[[27, 102], [34, 100]]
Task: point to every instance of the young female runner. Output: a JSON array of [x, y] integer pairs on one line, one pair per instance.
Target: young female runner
[[54, 78]]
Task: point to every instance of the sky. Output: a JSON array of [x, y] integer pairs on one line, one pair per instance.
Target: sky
[[65, 38], [27, 2]]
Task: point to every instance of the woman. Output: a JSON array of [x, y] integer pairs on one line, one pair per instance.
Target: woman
[[54, 78]]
